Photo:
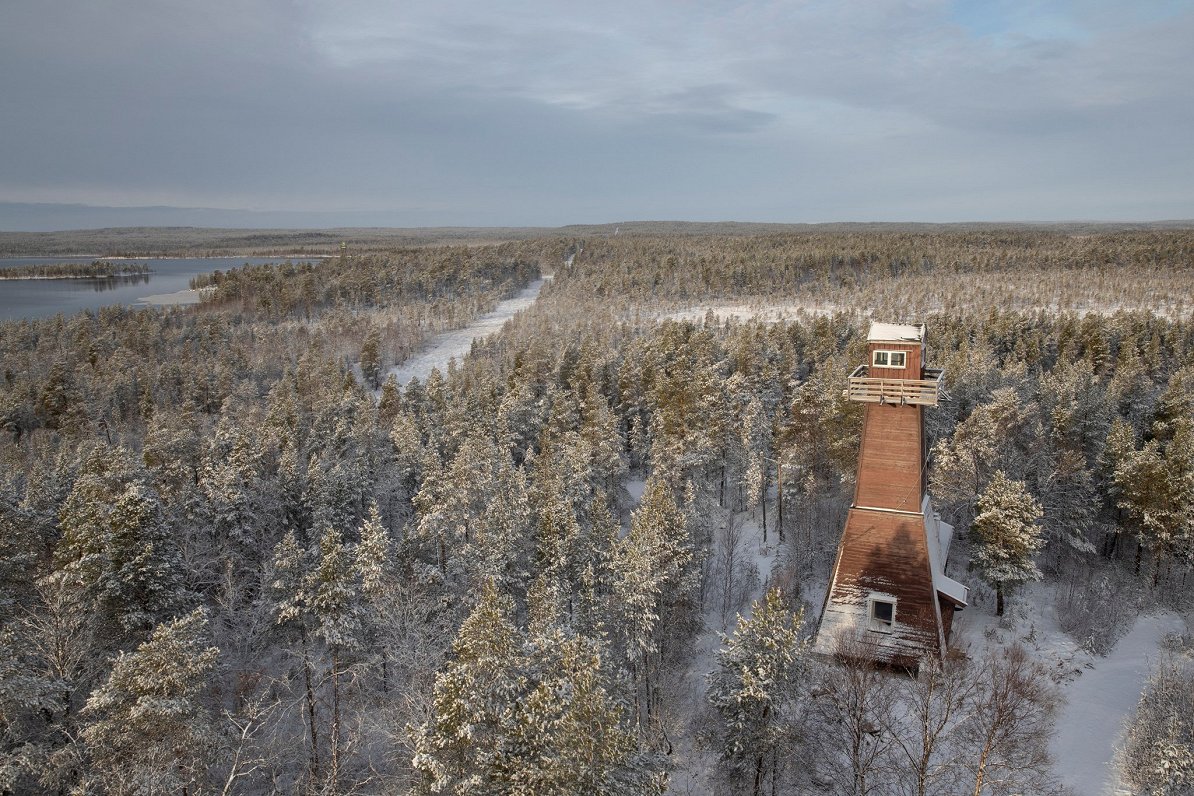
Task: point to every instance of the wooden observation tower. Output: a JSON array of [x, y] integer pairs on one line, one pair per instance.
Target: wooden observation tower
[[889, 593]]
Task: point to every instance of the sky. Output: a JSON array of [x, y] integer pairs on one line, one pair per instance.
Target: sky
[[537, 113]]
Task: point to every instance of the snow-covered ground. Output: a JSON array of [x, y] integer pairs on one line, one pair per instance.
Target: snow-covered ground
[[457, 343], [772, 313], [1090, 727], [1099, 692], [173, 299], [691, 773]]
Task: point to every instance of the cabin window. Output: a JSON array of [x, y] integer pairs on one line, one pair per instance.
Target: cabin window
[[882, 613], [890, 359]]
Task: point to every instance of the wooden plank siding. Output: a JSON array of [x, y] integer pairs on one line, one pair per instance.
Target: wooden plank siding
[[884, 552], [947, 616], [912, 364], [890, 472]]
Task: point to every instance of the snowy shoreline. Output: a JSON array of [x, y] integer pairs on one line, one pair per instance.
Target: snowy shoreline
[[72, 276], [173, 257], [176, 299]]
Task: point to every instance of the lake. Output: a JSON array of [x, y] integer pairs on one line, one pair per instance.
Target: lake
[[41, 298]]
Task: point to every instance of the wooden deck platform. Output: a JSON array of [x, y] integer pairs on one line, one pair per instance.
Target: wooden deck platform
[[917, 392]]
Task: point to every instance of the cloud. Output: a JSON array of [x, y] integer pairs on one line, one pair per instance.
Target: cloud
[[535, 112]]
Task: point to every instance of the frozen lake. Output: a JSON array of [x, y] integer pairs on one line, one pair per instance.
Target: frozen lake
[[41, 298]]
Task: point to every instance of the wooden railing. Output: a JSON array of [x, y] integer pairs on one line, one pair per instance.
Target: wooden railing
[[918, 392]]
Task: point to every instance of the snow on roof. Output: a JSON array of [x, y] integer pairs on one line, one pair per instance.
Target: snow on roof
[[896, 333], [945, 535], [938, 535], [951, 589]]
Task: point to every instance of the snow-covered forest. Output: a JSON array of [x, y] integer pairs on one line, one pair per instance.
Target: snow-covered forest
[[237, 555]]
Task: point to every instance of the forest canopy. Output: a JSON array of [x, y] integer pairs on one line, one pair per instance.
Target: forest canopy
[[236, 555]]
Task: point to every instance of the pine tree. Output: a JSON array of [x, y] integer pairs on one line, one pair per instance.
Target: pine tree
[[756, 443], [452, 505], [500, 549], [231, 486], [1007, 534], [753, 689], [150, 732], [114, 541], [291, 598], [371, 359], [1118, 449], [652, 572], [390, 403], [144, 583], [991, 438], [466, 747], [336, 608], [1154, 487], [374, 556], [569, 734], [523, 715]]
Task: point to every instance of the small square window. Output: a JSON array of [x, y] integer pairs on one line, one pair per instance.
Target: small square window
[[882, 612]]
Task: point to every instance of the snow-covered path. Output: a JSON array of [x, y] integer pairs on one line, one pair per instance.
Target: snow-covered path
[[1090, 727], [457, 343]]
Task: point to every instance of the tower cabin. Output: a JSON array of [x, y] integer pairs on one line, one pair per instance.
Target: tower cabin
[[889, 596]]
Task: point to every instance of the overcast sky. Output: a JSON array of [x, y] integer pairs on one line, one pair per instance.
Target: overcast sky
[[483, 112]]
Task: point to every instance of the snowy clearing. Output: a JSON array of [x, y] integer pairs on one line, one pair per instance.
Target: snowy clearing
[[1099, 693], [773, 313], [458, 342]]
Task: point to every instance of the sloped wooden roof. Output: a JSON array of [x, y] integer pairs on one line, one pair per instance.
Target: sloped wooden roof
[[885, 554]]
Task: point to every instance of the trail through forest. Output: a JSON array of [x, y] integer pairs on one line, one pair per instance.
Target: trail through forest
[[457, 342], [1090, 727]]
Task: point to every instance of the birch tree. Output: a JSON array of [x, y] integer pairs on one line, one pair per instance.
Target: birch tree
[[1006, 736]]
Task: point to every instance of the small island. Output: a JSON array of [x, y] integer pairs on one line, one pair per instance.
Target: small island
[[97, 269]]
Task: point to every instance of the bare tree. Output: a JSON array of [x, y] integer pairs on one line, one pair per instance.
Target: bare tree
[[854, 697], [929, 707], [1006, 737], [734, 575]]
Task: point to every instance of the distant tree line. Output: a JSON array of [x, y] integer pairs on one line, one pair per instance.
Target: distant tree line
[[97, 269]]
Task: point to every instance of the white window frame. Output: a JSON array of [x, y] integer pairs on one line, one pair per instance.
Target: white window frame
[[887, 355], [881, 625]]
